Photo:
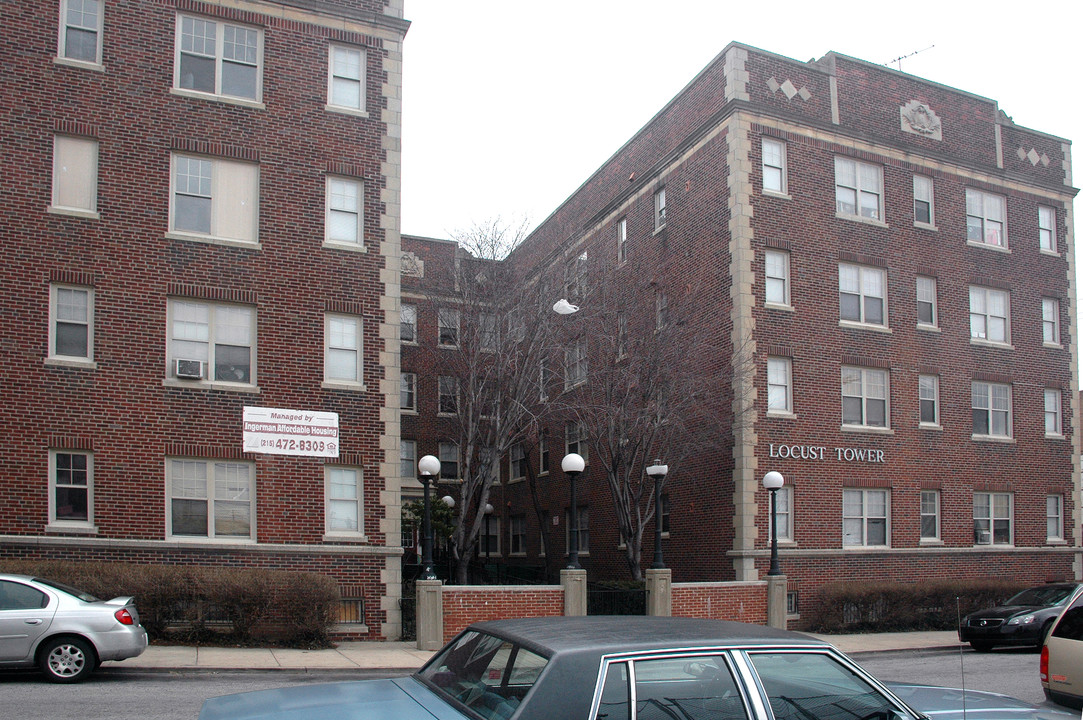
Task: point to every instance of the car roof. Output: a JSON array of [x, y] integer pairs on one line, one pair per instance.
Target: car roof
[[604, 635]]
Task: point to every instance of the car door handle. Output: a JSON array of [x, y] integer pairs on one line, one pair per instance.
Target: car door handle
[[34, 621]]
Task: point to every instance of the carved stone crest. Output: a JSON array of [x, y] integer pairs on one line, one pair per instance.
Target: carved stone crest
[[918, 118], [412, 265]]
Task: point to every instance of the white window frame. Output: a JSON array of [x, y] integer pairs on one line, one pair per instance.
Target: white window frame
[[1054, 518], [337, 499], [543, 456], [989, 398], [1047, 229], [986, 219], [986, 503], [659, 208], [346, 74], [408, 319], [1051, 322], [75, 176], [622, 240], [575, 363], [448, 322], [212, 468], [583, 545], [779, 386], [490, 537], [73, 16], [488, 332], [408, 458], [987, 325], [773, 165], [517, 463], [344, 208], [575, 439], [925, 293], [864, 181], [189, 333], [622, 335], [59, 315], [71, 481], [923, 195], [1052, 413], [858, 281], [219, 60], [517, 535], [408, 392], [447, 392], [233, 216], [784, 509], [929, 392], [929, 507], [865, 517], [661, 310], [776, 278], [446, 450], [337, 341], [868, 380]]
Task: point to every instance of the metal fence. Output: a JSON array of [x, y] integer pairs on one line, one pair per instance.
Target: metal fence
[[616, 599]]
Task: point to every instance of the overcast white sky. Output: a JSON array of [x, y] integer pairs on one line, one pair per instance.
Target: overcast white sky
[[509, 105]]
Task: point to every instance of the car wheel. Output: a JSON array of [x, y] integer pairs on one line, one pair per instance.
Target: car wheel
[[67, 660], [981, 646]]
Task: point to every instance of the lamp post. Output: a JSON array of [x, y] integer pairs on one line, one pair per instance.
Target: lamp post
[[658, 472], [773, 481], [429, 467], [572, 465], [488, 536]]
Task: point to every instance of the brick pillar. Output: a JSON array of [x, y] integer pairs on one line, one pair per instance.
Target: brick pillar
[[776, 601], [430, 614], [574, 583]]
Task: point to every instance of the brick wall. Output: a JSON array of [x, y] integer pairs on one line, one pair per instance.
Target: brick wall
[[741, 602], [465, 604]]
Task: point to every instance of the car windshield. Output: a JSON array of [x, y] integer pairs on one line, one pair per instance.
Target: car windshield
[[487, 674], [85, 597], [1053, 595]]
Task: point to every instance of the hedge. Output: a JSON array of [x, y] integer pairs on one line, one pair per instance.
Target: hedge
[[208, 605]]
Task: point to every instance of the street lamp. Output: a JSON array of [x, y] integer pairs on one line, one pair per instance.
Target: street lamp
[[488, 537], [773, 481], [572, 465], [657, 472], [429, 467]]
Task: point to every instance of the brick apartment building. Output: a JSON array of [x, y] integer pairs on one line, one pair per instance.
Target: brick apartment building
[[882, 272], [202, 216]]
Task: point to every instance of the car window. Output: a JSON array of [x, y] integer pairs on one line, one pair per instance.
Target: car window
[[691, 688], [1070, 626], [804, 685], [85, 597], [17, 596], [616, 694], [1042, 596], [485, 673]]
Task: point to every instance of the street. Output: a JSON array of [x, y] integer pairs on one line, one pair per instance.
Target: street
[[116, 693]]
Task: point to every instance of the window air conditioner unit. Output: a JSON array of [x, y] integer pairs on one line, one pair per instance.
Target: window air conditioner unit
[[189, 369]]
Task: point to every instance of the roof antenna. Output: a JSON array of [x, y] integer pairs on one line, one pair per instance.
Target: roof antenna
[[899, 59], [962, 670]]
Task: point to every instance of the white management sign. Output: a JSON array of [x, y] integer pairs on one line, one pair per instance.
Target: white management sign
[[290, 432]]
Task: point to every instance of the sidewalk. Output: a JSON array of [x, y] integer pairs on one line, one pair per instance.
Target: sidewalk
[[404, 657]]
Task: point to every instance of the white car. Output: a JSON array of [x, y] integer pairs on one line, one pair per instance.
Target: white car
[[64, 632], [1062, 656]]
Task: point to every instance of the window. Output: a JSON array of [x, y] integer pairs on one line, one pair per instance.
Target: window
[[215, 198], [516, 462], [864, 518], [858, 189], [487, 329], [408, 323], [985, 218], [575, 277], [449, 395], [693, 687], [930, 515], [1054, 517], [71, 488], [449, 461], [779, 385], [517, 534], [784, 510], [622, 335], [16, 596], [816, 685], [543, 455], [342, 361], [864, 397], [929, 399], [776, 264], [210, 499], [221, 337], [448, 327], [345, 203], [991, 408], [81, 24], [218, 58], [774, 166], [664, 514], [862, 294], [992, 518], [75, 175], [408, 392], [659, 209], [661, 310], [926, 301], [1051, 321], [345, 509], [408, 459], [923, 200], [575, 363], [575, 439], [1052, 412], [489, 538], [1047, 228], [622, 240], [346, 78], [584, 529], [989, 313], [71, 313]]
